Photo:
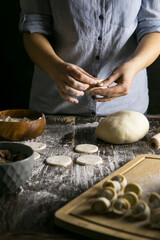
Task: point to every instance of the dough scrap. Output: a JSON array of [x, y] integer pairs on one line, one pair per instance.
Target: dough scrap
[[89, 160], [123, 127], [60, 160], [36, 155], [86, 148], [36, 146]]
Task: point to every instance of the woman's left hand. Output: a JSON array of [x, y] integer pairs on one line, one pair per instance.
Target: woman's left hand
[[123, 76]]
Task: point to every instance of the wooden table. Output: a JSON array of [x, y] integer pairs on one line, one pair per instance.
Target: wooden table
[[28, 213]]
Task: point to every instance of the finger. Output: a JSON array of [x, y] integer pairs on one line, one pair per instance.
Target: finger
[[79, 75], [100, 82], [112, 78], [91, 89], [77, 85], [69, 90], [102, 91], [68, 98], [115, 91]]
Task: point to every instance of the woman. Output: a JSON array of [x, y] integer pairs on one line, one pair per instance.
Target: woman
[[75, 42]]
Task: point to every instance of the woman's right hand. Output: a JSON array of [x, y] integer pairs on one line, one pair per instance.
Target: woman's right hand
[[71, 81]]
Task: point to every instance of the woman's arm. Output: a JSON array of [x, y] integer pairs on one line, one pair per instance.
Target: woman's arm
[[145, 54], [64, 74]]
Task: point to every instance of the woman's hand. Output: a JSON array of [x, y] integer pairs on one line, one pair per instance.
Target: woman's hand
[[71, 80], [123, 76]]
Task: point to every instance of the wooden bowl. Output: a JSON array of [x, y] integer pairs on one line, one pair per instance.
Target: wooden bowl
[[24, 130]]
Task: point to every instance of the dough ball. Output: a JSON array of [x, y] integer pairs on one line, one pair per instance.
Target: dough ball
[[86, 148], [123, 127], [89, 160], [60, 160]]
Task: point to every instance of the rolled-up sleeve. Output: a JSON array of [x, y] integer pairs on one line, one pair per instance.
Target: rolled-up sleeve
[[35, 16], [148, 18]]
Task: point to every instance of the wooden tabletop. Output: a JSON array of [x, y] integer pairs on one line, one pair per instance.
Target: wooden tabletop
[[28, 212]]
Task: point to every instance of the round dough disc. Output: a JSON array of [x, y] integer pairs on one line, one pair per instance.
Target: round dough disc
[[86, 148], [36, 146], [36, 155], [89, 160], [123, 127], [60, 160]]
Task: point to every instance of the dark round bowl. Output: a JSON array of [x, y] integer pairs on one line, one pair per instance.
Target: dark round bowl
[[15, 174]]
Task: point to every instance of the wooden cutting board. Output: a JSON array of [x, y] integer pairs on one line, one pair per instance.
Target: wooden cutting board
[[78, 217]]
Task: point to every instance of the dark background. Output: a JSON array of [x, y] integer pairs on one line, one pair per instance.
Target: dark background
[[16, 69]]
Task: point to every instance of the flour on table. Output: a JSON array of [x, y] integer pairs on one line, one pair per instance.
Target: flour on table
[[89, 160], [36, 146], [60, 160], [86, 148]]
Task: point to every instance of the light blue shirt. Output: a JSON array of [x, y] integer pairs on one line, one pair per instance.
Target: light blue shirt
[[98, 36]]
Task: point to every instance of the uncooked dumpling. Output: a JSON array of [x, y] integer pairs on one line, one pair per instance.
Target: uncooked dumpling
[[133, 187], [109, 193], [141, 210], [121, 179], [123, 127], [101, 205], [120, 205]]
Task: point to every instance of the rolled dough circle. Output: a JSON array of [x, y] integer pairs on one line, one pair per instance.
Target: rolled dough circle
[[36, 146], [89, 160], [123, 127], [60, 160], [86, 148]]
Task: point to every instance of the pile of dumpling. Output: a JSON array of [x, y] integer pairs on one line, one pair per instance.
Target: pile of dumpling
[[124, 198]]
